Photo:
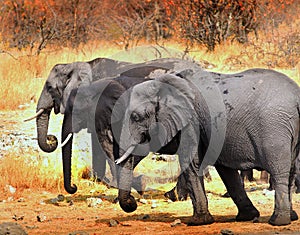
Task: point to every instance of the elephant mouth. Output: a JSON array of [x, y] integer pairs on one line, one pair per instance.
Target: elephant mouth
[[56, 106]]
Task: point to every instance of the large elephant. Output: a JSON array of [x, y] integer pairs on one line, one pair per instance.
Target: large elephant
[[261, 118], [63, 78]]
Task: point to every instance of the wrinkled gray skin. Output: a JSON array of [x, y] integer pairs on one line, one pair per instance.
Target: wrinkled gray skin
[[262, 132]]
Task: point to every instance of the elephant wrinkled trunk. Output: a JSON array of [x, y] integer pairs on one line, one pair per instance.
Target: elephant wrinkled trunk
[[67, 153], [48, 143], [127, 201]]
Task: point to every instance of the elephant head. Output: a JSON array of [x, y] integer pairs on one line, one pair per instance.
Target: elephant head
[[62, 80], [157, 111]]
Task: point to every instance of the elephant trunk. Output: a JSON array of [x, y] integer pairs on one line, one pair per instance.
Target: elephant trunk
[[67, 153], [126, 200], [48, 143]]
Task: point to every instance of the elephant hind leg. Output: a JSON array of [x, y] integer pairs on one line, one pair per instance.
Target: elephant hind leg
[[234, 186]]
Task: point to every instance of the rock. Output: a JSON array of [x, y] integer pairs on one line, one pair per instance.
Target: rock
[[10, 189], [153, 204], [113, 223], [16, 218], [93, 202], [60, 198], [21, 199], [41, 217], [226, 232], [12, 228], [176, 222], [144, 217], [143, 201]]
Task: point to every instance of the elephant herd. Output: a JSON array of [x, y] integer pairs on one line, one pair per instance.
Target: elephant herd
[[242, 121]]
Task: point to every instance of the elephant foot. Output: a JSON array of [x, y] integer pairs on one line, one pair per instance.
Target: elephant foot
[[280, 218], [129, 205], [247, 214], [201, 220], [171, 195], [139, 184], [294, 215]]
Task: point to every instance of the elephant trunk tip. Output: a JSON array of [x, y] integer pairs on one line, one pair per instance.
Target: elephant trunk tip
[[128, 205], [71, 189], [50, 145]]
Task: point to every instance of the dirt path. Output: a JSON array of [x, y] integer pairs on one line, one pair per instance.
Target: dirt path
[[40, 212]]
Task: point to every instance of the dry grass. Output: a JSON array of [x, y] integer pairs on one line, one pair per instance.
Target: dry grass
[[22, 76]]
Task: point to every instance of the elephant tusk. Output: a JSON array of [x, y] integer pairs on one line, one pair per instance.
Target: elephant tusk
[[125, 155], [38, 113], [66, 140]]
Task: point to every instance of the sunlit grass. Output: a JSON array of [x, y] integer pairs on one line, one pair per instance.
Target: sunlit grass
[[22, 76]]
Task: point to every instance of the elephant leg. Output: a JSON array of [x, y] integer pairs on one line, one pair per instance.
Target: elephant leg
[[282, 211], [181, 187], [98, 159], [195, 185], [293, 214], [233, 184], [247, 174], [263, 177]]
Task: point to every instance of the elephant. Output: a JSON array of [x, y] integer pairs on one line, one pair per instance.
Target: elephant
[[242, 121], [63, 78]]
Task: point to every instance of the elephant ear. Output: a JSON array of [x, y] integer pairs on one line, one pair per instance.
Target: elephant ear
[[176, 104], [75, 74], [170, 99]]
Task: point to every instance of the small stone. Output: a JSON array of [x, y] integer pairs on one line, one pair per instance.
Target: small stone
[[93, 202], [16, 218], [176, 222], [144, 217], [21, 199], [71, 203], [10, 189], [226, 232], [60, 198], [54, 201], [143, 201], [113, 223], [153, 204], [42, 202], [41, 217], [169, 201]]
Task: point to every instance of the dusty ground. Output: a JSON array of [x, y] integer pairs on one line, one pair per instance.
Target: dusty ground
[[39, 211]]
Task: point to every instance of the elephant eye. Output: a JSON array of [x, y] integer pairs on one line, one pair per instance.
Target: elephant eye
[[135, 117]]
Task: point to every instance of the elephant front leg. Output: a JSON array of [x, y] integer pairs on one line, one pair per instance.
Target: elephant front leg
[[234, 186], [195, 186]]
